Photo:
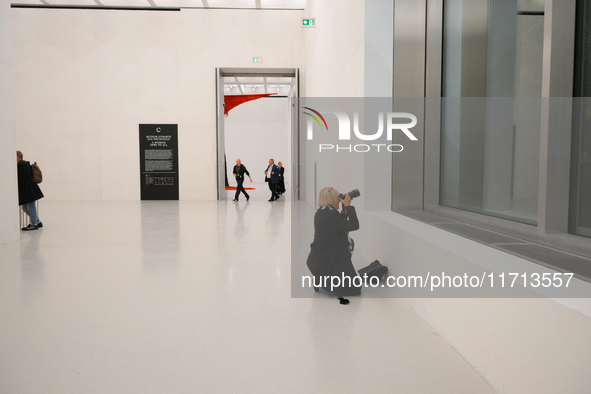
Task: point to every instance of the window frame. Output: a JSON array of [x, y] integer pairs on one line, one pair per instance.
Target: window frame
[[555, 143]]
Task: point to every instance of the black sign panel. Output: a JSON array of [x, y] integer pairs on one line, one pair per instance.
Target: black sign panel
[[159, 164]]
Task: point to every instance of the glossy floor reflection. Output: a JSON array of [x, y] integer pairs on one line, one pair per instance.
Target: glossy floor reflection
[[194, 297]]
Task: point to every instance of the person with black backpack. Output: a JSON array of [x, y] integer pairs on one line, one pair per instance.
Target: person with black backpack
[[28, 191]]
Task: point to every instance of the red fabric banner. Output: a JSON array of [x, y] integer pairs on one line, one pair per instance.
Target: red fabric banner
[[231, 101]]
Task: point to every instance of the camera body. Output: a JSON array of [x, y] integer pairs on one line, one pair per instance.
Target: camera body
[[353, 194]]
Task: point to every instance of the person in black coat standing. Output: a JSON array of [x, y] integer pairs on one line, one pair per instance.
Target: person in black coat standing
[[239, 171], [329, 255], [28, 192], [272, 177], [281, 184]]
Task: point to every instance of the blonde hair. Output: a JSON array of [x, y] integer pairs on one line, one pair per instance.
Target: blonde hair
[[328, 196], [280, 164]]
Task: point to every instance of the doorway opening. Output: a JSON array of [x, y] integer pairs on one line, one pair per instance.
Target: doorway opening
[[257, 120]]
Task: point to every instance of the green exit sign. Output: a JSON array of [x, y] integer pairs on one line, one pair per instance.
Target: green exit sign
[[308, 22]]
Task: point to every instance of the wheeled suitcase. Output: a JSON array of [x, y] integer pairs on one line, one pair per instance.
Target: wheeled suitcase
[[374, 270]]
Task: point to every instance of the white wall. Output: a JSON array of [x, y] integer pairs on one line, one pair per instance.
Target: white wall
[[334, 49], [349, 55], [257, 131], [9, 218], [378, 44], [335, 67], [85, 79]]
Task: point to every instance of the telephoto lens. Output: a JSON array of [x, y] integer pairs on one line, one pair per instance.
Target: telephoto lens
[[353, 194]]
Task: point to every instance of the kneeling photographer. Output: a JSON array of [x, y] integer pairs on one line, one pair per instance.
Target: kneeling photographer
[[330, 255]]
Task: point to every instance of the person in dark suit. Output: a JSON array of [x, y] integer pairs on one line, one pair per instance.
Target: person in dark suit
[[239, 171], [329, 252], [28, 192], [272, 177], [281, 184]]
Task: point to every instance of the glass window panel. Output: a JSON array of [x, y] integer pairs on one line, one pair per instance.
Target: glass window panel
[[492, 81], [580, 203]]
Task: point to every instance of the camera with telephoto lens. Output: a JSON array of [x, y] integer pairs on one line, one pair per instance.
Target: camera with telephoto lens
[[353, 194]]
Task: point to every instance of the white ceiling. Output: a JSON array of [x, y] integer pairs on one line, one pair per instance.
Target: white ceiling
[[241, 4]]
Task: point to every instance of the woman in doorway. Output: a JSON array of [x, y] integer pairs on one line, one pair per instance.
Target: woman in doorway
[[281, 184]]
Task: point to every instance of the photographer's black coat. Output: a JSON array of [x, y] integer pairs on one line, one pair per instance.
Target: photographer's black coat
[[329, 254]]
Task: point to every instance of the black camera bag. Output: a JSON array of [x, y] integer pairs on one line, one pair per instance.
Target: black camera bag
[[375, 269]]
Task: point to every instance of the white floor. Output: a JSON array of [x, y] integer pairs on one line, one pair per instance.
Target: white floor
[[194, 297]]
